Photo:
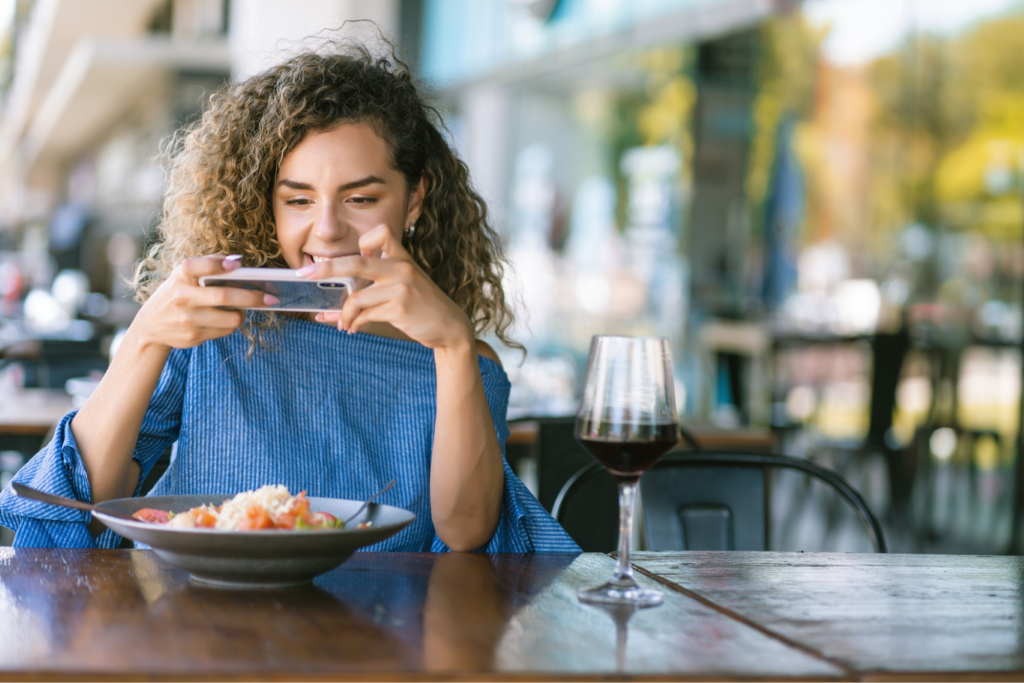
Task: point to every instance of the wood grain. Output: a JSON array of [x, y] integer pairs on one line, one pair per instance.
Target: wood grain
[[109, 614], [918, 616]]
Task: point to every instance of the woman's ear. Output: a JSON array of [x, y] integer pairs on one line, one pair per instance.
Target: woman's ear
[[416, 201]]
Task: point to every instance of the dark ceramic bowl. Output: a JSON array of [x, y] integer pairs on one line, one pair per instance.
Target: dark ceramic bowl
[[255, 559]]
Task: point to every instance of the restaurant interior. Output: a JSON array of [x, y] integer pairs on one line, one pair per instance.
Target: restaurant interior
[[818, 203], [822, 215]]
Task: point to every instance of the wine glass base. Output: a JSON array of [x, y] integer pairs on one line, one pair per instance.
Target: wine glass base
[[621, 594]]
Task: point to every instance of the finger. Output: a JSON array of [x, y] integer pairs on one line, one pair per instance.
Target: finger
[[198, 266], [382, 313], [208, 333], [233, 297], [363, 299], [381, 242], [214, 319], [328, 316]]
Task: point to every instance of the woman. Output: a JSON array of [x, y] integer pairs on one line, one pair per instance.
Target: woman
[[330, 164]]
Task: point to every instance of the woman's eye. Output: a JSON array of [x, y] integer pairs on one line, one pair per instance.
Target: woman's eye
[[363, 200], [298, 201]]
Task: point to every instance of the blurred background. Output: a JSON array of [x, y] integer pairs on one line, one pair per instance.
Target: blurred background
[[820, 203]]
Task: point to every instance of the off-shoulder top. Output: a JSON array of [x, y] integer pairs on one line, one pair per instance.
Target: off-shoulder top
[[334, 414]]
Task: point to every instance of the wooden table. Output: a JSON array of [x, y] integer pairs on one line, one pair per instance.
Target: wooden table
[[31, 412], [123, 614], [878, 617], [26, 417]]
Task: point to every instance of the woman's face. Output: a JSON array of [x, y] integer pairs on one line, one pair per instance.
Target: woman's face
[[333, 187]]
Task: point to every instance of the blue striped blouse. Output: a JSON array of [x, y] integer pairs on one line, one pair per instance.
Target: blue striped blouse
[[333, 414]]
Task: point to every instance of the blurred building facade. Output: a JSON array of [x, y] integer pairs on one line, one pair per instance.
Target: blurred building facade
[[541, 98], [611, 141], [96, 88]]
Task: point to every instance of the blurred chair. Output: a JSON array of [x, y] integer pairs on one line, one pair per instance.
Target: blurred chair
[[559, 455], [694, 501], [937, 506], [158, 470], [888, 350]]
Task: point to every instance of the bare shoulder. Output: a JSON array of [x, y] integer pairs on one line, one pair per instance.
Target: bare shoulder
[[484, 349]]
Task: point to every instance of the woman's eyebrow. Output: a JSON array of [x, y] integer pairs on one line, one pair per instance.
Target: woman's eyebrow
[[362, 182], [294, 184]]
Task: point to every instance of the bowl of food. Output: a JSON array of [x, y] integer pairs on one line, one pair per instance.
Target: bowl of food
[[265, 538]]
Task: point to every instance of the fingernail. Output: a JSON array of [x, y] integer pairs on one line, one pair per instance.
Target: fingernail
[[232, 262], [319, 317], [270, 300], [233, 257], [306, 270]]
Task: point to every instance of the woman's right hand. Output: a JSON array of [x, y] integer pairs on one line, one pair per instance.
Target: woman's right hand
[[182, 314]]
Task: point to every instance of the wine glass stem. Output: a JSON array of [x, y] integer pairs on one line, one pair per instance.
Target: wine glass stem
[[627, 497]]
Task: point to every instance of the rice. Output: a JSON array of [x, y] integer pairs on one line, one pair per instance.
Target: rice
[[273, 498]]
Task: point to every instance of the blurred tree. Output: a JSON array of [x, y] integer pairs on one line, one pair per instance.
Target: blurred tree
[[660, 113], [910, 87], [787, 61], [978, 181], [954, 108]]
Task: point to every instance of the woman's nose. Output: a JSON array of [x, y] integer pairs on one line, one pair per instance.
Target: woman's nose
[[327, 226]]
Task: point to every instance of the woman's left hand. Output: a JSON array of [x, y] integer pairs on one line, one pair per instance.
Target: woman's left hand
[[401, 295]]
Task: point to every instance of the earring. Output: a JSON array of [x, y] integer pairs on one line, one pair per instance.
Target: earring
[[411, 230]]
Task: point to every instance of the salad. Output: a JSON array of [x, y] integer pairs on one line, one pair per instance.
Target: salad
[[269, 507]]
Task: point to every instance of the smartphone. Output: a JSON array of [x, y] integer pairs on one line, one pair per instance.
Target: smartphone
[[295, 292]]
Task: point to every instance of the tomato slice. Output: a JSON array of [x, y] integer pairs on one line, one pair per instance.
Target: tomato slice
[[151, 516], [297, 508], [322, 520], [257, 518], [295, 514], [203, 516]]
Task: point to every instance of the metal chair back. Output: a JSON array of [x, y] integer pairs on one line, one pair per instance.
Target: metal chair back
[[695, 501]]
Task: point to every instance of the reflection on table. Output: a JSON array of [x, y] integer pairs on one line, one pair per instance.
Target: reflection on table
[[125, 614]]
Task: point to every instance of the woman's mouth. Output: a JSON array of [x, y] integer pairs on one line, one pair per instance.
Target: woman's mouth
[[308, 259]]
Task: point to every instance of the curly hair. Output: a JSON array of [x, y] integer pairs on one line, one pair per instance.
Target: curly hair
[[221, 172]]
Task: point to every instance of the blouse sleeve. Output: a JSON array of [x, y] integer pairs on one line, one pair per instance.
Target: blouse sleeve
[[524, 526], [58, 469]]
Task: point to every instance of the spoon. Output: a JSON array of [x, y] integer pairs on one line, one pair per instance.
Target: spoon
[[28, 492], [387, 487]]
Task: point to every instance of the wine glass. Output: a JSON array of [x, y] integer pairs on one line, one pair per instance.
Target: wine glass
[[627, 420]]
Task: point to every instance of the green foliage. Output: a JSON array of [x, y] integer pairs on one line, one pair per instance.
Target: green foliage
[[787, 61], [661, 113], [955, 108]]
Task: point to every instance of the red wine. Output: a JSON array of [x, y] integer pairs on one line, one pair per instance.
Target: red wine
[[628, 450]]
